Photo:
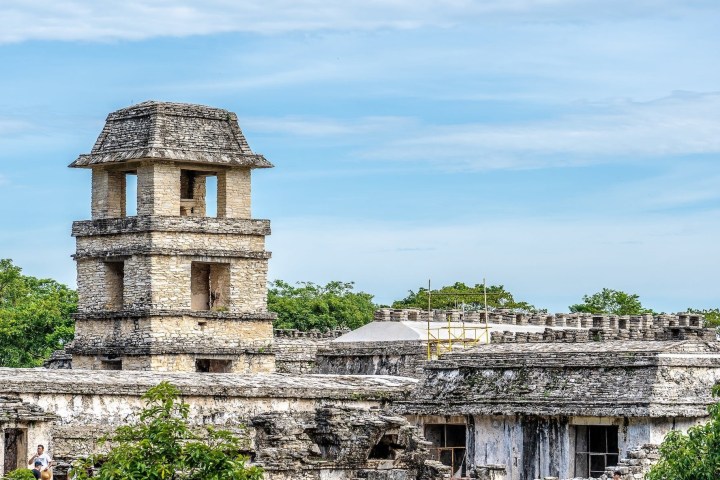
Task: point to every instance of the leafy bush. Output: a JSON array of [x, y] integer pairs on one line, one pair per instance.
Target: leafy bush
[[162, 446]]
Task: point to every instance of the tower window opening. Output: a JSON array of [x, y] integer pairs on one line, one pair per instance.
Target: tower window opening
[[194, 194], [209, 286], [115, 284], [130, 193]]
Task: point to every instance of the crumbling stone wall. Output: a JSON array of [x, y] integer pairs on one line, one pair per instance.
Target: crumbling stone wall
[[296, 351], [365, 358], [351, 442], [292, 419]]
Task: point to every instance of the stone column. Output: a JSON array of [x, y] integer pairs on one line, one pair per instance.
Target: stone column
[[233, 193]]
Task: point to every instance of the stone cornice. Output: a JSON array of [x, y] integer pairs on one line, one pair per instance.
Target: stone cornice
[[156, 223]]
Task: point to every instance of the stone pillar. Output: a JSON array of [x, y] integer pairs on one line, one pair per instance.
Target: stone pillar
[[108, 194], [233, 193], [158, 189]]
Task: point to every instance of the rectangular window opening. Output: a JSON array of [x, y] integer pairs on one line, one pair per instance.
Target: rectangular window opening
[[448, 446], [209, 286], [212, 365], [211, 198], [198, 193], [15, 448], [596, 448], [115, 284], [130, 200], [111, 363]]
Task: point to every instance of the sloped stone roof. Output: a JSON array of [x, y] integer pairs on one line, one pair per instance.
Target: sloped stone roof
[[172, 131]]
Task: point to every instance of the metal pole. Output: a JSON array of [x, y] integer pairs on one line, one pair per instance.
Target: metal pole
[[428, 323], [487, 332]]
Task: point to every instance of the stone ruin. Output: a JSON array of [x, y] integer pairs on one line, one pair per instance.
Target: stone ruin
[[173, 294]]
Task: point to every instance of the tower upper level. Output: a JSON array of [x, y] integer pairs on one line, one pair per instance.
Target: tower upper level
[[172, 148]]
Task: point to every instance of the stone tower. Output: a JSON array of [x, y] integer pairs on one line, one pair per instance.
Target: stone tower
[[172, 289]]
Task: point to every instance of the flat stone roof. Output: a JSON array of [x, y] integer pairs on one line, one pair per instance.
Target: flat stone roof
[[172, 131], [107, 382], [609, 378]]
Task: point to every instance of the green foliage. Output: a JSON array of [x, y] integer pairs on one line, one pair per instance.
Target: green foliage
[[161, 446], [307, 305], [691, 456], [712, 315], [20, 474], [453, 296], [35, 317], [612, 302]]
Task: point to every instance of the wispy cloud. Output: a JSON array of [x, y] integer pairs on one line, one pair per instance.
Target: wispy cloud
[[681, 124], [14, 126], [139, 19]]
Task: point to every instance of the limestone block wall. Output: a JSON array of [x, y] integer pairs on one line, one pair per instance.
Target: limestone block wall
[[296, 351], [95, 285], [108, 193], [367, 358], [234, 192], [158, 189], [171, 283], [214, 334]]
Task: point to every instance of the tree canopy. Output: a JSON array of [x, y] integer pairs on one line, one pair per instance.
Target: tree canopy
[[306, 305], [457, 294], [712, 315], [35, 317], [162, 446], [610, 301], [691, 456]]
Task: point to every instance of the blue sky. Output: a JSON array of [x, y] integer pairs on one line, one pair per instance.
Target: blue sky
[[553, 146]]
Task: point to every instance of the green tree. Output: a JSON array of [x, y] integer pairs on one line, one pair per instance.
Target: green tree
[[35, 317], [612, 302], [20, 474], [307, 305], [691, 456], [162, 446], [453, 296], [712, 315]]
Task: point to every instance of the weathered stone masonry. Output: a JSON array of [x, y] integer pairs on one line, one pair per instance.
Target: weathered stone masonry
[[170, 289]]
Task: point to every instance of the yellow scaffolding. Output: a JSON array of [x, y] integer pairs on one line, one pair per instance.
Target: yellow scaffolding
[[442, 340], [460, 336]]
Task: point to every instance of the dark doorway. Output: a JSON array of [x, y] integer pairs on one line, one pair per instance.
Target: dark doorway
[[596, 448], [15, 448], [210, 365]]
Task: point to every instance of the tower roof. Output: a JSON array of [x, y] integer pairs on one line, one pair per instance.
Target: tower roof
[[172, 131]]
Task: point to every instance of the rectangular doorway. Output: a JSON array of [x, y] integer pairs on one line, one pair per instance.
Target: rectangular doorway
[[596, 448], [15, 449]]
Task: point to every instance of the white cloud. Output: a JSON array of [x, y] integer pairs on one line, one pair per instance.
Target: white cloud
[[138, 19], [681, 124], [302, 126]]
